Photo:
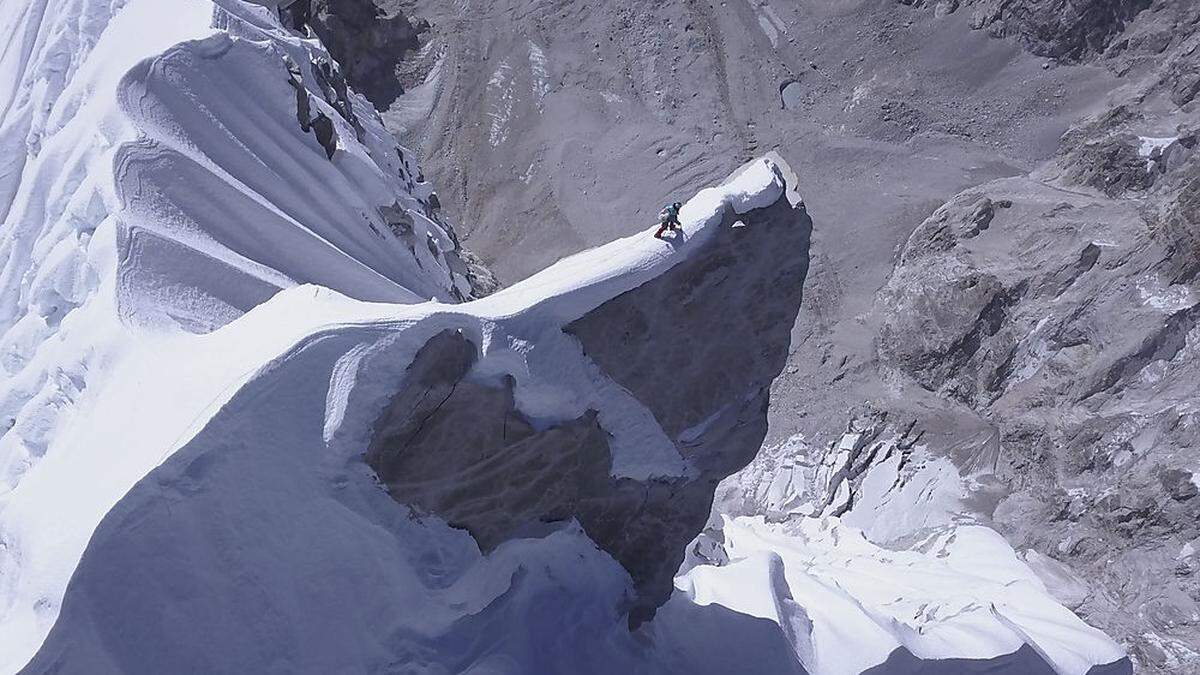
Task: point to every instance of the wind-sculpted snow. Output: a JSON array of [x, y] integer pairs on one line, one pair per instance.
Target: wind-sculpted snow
[[268, 542], [248, 427], [848, 606], [212, 117], [657, 381], [157, 182]]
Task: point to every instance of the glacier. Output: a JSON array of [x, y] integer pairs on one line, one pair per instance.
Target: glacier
[[211, 330]]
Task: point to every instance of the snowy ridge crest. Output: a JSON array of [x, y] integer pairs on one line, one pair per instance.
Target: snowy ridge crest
[[157, 182], [339, 386]]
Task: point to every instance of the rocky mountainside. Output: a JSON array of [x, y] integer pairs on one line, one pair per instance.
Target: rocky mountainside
[[1004, 259], [367, 39]]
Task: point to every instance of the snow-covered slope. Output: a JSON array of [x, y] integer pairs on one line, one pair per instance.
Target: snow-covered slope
[[157, 182], [249, 429]]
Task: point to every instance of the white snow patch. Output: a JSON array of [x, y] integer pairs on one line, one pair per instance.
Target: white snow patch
[[1168, 299], [611, 98], [527, 177], [502, 99], [889, 508], [1186, 551], [769, 29], [416, 104], [1148, 144], [539, 69], [905, 565]]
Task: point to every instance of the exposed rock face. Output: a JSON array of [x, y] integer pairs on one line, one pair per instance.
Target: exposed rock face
[[367, 37], [1041, 331], [1086, 378], [462, 450], [483, 282], [367, 43], [1068, 30], [1061, 29], [1070, 329], [510, 478], [322, 519], [1111, 165]]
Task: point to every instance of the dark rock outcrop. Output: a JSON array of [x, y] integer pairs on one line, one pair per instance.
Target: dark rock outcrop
[[1067, 30], [1111, 165], [481, 278], [368, 38]]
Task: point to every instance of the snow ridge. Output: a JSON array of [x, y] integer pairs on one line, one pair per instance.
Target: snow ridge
[[157, 184], [303, 417]]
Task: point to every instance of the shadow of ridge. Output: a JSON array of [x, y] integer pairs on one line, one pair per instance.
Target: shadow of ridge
[[1024, 661], [715, 639]]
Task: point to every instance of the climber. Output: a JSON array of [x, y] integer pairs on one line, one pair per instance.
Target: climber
[[668, 219]]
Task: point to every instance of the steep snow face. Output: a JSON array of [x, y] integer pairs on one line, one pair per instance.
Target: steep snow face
[[216, 283], [266, 541], [158, 182]]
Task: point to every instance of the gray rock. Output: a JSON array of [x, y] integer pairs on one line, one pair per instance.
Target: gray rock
[[1111, 165], [367, 37], [1060, 29]]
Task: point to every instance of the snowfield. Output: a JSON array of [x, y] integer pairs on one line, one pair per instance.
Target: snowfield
[[143, 139], [201, 319]]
